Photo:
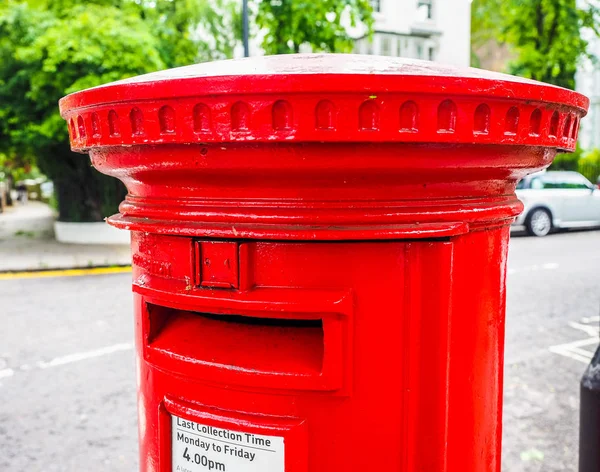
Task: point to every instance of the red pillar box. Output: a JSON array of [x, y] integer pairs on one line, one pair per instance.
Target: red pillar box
[[319, 255]]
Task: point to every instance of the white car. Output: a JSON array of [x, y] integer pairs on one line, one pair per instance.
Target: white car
[[557, 199]]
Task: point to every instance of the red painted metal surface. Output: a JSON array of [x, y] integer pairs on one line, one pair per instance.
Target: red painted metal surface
[[319, 247]]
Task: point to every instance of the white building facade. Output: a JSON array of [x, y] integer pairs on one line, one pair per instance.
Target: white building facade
[[436, 30], [587, 82]]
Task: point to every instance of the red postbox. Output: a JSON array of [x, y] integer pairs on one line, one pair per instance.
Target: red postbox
[[319, 255]]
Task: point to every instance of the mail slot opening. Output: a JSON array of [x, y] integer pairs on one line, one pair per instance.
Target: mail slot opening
[[276, 346]]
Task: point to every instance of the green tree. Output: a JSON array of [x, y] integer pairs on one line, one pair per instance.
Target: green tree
[[44, 56], [567, 161], [545, 36], [192, 31], [589, 165], [49, 48], [320, 24]]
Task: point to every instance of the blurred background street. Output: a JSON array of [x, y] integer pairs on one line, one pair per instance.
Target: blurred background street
[[67, 371]]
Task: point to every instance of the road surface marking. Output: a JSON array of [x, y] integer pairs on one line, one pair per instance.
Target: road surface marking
[[590, 330], [82, 356], [573, 349], [534, 268], [6, 373], [68, 359], [64, 273]]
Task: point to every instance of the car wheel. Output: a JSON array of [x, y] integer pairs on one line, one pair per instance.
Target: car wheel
[[539, 222]]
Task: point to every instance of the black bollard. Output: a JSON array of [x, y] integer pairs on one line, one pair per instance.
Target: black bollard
[[589, 417]]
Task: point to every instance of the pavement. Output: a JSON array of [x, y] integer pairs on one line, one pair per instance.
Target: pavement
[[27, 243], [67, 370]]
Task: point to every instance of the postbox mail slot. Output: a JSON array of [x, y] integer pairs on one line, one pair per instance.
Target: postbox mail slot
[[275, 352]]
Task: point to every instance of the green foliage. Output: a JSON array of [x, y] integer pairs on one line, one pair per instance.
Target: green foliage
[[486, 21], [321, 24], [87, 46], [584, 162], [589, 165], [49, 48], [544, 35], [192, 31], [567, 161], [46, 54]]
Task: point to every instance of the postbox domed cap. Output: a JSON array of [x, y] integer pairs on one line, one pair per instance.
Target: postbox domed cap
[[324, 98]]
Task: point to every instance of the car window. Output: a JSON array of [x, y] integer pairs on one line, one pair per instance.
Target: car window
[[536, 183], [521, 184], [552, 183], [578, 181], [564, 181]]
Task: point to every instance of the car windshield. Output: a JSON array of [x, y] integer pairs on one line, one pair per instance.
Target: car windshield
[[564, 181], [555, 180]]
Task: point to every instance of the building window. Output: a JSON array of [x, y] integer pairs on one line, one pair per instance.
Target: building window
[[424, 10], [376, 4], [431, 53], [386, 46], [419, 50]]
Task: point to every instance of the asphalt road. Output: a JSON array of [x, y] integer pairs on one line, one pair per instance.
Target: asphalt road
[[67, 373], [553, 305]]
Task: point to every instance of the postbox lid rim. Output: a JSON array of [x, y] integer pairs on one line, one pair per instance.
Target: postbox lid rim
[[296, 72], [309, 64]]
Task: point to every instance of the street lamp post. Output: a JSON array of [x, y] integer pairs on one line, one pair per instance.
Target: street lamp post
[[245, 27]]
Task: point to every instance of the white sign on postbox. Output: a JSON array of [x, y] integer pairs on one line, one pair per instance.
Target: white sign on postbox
[[199, 448]]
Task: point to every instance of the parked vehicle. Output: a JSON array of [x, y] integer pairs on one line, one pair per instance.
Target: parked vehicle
[[557, 199]]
